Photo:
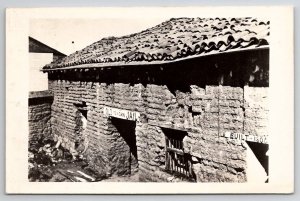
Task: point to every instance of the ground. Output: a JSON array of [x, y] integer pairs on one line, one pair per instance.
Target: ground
[[51, 163]]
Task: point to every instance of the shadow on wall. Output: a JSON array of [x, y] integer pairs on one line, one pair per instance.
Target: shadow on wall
[[260, 151], [124, 153], [229, 69], [126, 129], [40, 100]]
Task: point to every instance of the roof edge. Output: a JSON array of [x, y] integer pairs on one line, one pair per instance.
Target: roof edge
[[143, 63], [54, 50]]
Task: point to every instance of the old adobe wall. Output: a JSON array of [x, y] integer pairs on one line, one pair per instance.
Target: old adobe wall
[[205, 113], [166, 99], [39, 115]]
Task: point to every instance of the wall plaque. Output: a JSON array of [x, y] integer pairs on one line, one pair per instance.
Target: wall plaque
[[120, 113]]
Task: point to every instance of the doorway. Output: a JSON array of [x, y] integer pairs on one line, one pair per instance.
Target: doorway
[[124, 150], [257, 162]]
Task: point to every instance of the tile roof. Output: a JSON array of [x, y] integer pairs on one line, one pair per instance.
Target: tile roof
[[172, 40]]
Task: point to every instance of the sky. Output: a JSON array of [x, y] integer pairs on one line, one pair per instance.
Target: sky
[[67, 34], [70, 35]]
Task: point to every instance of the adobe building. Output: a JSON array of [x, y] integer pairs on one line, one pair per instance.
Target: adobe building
[[184, 100], [40, 54], [40, 99]]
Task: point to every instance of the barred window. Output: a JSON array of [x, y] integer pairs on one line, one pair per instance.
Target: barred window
[[177, 162]]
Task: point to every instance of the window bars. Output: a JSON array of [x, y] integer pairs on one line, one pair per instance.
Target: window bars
[[177, 162]]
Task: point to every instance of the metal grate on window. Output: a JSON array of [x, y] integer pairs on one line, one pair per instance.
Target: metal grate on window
[[177, 162]]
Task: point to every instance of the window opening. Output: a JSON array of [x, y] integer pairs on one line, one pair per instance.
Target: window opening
[[177, 161], [81, 122]]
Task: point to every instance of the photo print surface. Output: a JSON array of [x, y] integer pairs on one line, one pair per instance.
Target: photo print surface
[[182, 99]]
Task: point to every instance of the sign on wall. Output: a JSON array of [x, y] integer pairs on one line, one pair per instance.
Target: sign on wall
[[120, 113], [249, 138]]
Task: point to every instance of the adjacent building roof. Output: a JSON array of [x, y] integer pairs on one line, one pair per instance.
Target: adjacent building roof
[[175, 39], [39, 47], [40, 94]]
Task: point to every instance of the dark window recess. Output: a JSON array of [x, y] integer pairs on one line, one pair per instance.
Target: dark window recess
[[80, 122], [82, 108], [177, 162], [83, 112], [81, 105]]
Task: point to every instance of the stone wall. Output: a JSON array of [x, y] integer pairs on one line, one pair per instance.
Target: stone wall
[[39, 115], [205, 113], [256, 110]]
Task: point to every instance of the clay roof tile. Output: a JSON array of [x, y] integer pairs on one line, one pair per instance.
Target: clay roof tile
[[173, 39]]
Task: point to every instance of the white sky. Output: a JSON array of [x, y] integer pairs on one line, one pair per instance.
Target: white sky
[[59, 33]]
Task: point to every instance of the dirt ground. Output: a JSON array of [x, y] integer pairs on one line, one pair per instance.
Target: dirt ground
[[48, 162], [114, 178]]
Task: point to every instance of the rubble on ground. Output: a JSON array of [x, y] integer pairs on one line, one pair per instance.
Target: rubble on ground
[[50, 162]]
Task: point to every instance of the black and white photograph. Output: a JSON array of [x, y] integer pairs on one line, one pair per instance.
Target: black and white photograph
[[163, 99]]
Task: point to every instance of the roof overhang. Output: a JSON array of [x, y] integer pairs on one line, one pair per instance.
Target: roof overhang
[[146, 63]]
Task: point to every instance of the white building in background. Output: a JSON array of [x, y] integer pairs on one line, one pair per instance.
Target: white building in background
[[40, 55]]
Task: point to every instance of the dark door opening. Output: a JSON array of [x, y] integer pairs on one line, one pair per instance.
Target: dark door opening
[[125, 146], [260, 151]]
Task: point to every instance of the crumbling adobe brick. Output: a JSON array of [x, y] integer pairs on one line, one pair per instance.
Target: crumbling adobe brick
[[204, 113]]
